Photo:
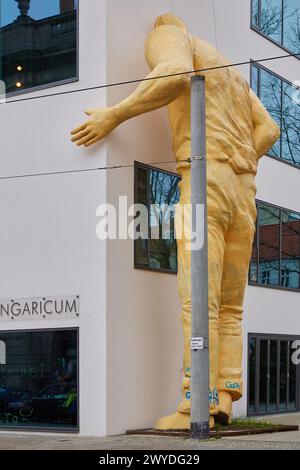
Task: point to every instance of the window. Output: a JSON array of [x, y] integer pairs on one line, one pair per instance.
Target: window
[[158, 192], [278, 97], [279, 21], [273, 377], [38, 43], [276, 249], [39, 380]]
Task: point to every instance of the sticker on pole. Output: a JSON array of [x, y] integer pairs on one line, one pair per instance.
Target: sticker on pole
[[197, 343]]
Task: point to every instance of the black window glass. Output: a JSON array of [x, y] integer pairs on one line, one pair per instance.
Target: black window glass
[[38, 42], [269, 245], [273, 374], [39, 380], [252, 364], [263, 372], [292, 378], [158, 191], [283, 374]]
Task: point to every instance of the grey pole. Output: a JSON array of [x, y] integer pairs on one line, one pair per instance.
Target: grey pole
[[199, 266]]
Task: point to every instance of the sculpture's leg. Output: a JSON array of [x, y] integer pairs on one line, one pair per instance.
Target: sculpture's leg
[[218, 219], [235, 274]]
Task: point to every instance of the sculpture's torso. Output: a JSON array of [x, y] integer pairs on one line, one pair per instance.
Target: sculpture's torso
[[228, 112]]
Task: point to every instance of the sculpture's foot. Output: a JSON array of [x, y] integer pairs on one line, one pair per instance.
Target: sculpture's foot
[[175, 421], [178, 421], [224, 415]]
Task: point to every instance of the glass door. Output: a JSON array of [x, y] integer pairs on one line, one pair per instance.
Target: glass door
[[273, 378]]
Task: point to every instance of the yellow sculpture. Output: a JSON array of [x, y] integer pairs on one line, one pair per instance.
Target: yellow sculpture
[[239, 132]]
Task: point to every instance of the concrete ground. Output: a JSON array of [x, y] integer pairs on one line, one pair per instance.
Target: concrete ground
[[276, 441]]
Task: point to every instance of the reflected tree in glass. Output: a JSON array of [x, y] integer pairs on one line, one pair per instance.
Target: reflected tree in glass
[[269, 244]]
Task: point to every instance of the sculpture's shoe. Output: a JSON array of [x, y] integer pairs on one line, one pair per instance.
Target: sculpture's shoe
[[178, 421], [175, 421], [225, 409]]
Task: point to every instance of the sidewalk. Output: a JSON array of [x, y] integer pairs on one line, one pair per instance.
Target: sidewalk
[[276, 441]]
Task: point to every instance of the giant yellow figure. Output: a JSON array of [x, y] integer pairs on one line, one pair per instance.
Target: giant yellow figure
[[239, 132]]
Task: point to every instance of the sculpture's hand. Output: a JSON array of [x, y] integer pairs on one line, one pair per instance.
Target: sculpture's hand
[[102, 121]]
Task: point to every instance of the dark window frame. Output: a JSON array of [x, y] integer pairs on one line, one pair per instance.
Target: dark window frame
[[258, 31], [260, 67], [148, 168], [259, 284], [59, 430], [58, 82], [269, 337]]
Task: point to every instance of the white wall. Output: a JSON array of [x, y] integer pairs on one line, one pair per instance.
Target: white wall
[[48, 243]]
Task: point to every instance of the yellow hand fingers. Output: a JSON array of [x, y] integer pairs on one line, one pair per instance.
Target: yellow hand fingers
[[79, 129], [80, 135], [86, 139], [91, 142]]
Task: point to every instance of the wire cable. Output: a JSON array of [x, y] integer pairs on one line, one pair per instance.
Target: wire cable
[[139, 80], [85, 170]]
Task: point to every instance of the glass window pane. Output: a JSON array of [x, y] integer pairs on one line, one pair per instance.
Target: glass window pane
[[292, 380], [39, 382], [269, 245], [252, 365], [283, 374], [254, 260], [290, 251], [141, 244], [254, 79], [254, 15], [263, 375], [38, 42], [270, 95], [164, 194], [273, 375], [271, 19], [290, 126], [291, 18]]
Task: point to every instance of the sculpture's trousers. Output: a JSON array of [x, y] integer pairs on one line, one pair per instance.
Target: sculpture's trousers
[[231, 227]]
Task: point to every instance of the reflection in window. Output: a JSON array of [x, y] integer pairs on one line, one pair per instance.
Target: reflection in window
[[158, 191], [271, 19], [270, 94], [275, 257], [269, 245], [38, 42], [278, 20], [290, 251], [39, 382], [278, 97]]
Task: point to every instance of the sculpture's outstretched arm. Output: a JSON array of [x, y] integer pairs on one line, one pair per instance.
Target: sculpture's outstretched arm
[[266, 132], [169, 50]]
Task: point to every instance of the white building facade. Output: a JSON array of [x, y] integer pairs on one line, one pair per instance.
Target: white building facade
[[90, 334]]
